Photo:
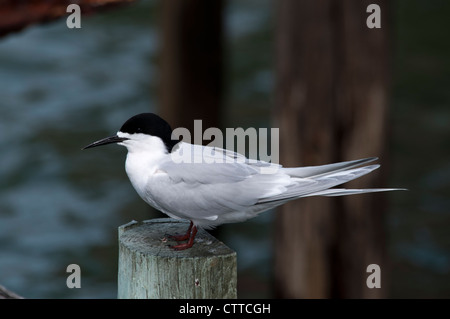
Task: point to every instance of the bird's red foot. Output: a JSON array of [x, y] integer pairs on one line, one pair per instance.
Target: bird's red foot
[[182, 237], [192, 231]]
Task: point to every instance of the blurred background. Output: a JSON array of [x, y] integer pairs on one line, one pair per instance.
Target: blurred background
[[62, 89]]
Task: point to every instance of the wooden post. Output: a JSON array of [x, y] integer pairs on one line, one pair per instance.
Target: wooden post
[[150, 269]]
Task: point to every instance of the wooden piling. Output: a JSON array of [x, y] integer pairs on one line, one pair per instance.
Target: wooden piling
[[149, 268]]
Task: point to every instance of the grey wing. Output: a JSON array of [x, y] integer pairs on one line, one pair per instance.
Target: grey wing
[[192, 153], [204, 192], [214, 193]]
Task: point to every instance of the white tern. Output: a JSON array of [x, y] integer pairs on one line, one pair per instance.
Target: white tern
[[224, 186]]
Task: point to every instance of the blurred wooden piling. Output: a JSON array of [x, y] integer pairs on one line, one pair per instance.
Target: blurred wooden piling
[[7, 294], [150, 269]]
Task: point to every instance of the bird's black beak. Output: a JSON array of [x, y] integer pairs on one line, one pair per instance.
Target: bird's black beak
[[108, 140]]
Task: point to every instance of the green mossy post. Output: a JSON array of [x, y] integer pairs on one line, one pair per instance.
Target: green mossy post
[[150, 269]]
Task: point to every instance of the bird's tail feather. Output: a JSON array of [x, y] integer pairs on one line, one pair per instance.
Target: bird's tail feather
[[321, 170], [319, 180], [344, 191]]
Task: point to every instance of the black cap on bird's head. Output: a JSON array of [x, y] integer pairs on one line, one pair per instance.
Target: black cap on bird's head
[[147, 123], [144, 123]]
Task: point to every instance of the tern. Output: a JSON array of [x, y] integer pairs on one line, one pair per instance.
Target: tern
[[224, 187]]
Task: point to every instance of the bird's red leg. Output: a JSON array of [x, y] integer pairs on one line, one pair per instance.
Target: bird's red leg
[[190, 241], [182, 237]]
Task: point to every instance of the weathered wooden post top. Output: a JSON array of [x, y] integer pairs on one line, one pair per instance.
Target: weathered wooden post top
[[149, 268]]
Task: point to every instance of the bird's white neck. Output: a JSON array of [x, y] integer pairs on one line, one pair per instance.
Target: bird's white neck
[[145, 155]]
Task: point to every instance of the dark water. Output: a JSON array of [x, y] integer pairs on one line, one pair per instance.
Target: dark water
[[62, 89]]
